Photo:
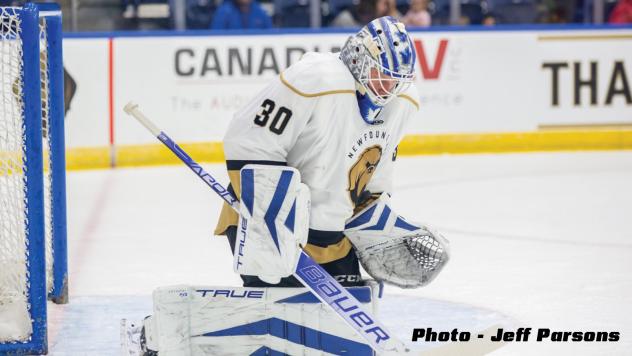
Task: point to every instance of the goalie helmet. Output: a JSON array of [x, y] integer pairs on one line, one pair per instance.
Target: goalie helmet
[[381, 58]]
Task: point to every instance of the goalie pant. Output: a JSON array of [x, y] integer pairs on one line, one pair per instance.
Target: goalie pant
[[209, 320], [345, 269]]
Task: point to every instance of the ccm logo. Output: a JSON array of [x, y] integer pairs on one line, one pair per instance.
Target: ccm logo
[[231, 293], [329, 290]]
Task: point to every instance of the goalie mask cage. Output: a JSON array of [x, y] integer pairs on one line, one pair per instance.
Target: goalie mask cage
[[33, 265]]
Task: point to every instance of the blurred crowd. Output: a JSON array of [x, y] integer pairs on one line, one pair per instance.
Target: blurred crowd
[[265, 14]]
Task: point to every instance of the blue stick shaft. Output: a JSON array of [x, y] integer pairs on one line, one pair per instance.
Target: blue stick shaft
[[132, 109], [310, 273], [207, 178]]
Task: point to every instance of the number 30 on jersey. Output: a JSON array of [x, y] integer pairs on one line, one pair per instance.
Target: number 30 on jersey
[[280, 117]]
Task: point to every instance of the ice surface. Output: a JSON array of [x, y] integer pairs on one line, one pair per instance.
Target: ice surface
[[538, 240]]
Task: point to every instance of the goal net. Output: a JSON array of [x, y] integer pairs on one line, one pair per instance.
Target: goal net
[[33, 264]]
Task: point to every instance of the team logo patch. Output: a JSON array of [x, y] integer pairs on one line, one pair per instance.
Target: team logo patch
[[361, 172]]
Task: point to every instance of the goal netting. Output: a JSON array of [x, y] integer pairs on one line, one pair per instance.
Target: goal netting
[[32, 175]]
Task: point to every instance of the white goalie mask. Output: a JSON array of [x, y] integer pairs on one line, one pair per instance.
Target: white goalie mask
[[381, 57]]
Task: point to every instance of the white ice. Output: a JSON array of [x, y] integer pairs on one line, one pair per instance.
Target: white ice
[[538, 240]]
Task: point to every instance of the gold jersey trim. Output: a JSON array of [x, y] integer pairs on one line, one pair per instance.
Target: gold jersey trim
[[330, 253], [229, 217], [341, 91], [412, 101], [307, 95]]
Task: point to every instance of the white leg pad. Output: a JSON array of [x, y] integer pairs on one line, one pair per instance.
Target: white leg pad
[[203, 320]]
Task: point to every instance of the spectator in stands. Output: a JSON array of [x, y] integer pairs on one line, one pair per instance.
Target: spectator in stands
[[558, 15], [240, 14], [464, 21], [391, 9], [489, 20], [622, 12], [131, 8], [418, 14], [361, 14]]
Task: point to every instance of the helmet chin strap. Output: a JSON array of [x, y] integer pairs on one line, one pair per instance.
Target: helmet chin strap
[[369, 110]]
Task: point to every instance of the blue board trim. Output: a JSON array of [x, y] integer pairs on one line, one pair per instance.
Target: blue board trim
[[305, 31]]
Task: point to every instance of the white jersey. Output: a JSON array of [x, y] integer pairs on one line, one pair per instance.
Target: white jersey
[[308, 118]]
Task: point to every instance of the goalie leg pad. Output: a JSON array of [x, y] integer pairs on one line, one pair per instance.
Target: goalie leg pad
[[273, 222], [147, 342], [393, 250], [193, 320]]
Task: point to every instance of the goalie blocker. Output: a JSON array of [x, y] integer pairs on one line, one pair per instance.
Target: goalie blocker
[[194, 320], [273, 222]]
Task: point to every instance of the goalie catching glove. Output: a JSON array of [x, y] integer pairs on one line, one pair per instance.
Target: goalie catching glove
[[273, 222], [393, 250]]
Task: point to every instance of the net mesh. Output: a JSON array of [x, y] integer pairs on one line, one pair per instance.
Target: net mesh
[[13, 252], [15, 322]]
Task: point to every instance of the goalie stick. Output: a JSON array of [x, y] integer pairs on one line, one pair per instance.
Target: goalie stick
[[321, 283]]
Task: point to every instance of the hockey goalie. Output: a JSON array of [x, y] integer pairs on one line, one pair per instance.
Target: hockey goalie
[[311, 160]]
